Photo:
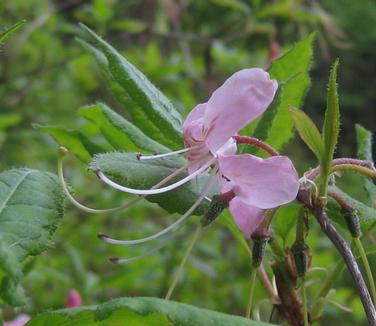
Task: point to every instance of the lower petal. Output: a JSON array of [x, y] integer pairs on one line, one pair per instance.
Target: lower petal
[[264, 183], [247, 217]]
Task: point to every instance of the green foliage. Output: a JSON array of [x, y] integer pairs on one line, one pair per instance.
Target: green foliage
[[140, 311], [4, 35], [143, 93], [330, 130], [118, 131], [73, 140], [364, 140], [31, 206], [308, 132], [126, 169], [291, 71]]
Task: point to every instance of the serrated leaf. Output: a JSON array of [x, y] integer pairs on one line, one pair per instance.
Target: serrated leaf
[[140, 311], [78, 144], [364, 143], [154, 104], [308, 132], [126, 169], [292, 73], [138, 116], [4, 35], [330, 129], [118, 131], [31, 206], [367, 214]]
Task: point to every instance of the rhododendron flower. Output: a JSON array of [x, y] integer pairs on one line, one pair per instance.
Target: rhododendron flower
[[211, 148]]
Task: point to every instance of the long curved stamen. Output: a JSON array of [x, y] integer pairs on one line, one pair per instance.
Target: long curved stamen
[[60, 169], [113, 184], [170, 228], [150, 157], [60, 172], [123, 261]]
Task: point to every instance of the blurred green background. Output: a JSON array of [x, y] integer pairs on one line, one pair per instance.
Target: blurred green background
[[187, 48]]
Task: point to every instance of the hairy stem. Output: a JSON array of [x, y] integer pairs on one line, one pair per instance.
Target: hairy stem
[[257, 143], [350, 261]]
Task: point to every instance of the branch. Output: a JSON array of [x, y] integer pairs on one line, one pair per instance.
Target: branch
[[346, 253]]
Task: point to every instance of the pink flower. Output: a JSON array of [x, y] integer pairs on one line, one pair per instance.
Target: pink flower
[[20, 320], [210, 148], [73, 299]]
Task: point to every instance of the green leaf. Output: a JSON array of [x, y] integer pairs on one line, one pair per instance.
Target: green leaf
[[284, 220], [291, 71], [364, 142], [118, 131], [137, 114], [78, 144], [138, 312], [330, 130], [367, 214], [126, 169], [155, 105], [308, 132], [4, 35], [31, 206]]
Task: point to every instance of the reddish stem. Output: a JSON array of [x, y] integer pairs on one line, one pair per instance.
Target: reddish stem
[[256, 142], [312, 174]]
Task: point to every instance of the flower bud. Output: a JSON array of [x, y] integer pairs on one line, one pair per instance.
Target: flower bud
[[260, 240], [300, 254], [216, 207], [352, 221]]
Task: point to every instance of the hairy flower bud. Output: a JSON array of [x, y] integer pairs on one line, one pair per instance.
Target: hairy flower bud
[[352, 221], [218, 204], [300, 254], [260, 240]]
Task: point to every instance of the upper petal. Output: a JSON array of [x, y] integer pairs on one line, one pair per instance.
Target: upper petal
[[264, 183], [196, 114], [247, 217], [241, 99]]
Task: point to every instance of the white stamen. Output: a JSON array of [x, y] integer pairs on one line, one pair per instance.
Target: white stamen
[[123, 261], [150, 157], [113, 184], [81, 206], [172, 227]]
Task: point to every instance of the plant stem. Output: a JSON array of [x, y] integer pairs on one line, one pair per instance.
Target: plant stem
[[257, 143], [183, 262], [350, 261], [251, 292], [305, 309], [364, 258], [370, 173]]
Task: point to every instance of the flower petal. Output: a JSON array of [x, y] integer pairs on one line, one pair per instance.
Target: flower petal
[[247, 217], [264, 183], [241, 99], [196, 114]]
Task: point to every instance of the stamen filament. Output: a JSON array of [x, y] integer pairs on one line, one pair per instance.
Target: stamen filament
[[113, 184], [60, 171], [170, 228], [150, 157]]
